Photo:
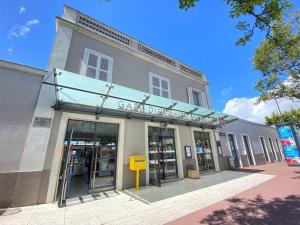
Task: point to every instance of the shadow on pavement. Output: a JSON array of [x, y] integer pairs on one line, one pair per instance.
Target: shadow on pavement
[[277, 211]]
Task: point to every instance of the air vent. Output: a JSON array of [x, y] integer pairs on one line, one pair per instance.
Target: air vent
[[156, 55], [98, 28]]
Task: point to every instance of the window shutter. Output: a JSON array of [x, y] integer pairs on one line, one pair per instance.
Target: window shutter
[[165, 91], [83, 67], [190, 95]]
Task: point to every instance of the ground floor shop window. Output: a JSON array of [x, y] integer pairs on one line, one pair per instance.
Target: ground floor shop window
[[89, 159], [204, 151], [162, 155]]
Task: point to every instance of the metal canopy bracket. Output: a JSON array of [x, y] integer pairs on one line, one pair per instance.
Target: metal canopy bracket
[[143, 102], [104, 97], [191, 111], [170, 107]]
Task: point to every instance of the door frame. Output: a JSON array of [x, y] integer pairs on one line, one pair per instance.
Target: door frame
[[236, 147], [58, 153], [273, 150], [177, 147], [212, 143], [262, 147], [251, 149], [278, 146]]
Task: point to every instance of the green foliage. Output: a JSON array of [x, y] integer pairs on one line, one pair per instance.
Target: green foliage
[[289, 116], [278, 55], [262, 12], [278, 58], [186, 4]]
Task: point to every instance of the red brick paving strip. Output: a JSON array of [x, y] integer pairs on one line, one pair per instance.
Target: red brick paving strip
[[276, 201]]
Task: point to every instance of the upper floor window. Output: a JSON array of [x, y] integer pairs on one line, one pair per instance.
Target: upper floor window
[[159, 86], [97, 65], [197, 97]]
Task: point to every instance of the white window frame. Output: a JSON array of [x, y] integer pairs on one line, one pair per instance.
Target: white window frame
[[84, 64], [201, 94], [269, 138], [278, 146], [262, 147], [251, 149], [160, 86]]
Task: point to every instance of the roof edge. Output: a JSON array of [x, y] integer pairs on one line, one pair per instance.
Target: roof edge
[[22, 68]]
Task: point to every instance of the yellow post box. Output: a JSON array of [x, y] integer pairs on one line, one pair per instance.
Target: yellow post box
[[137, 163]]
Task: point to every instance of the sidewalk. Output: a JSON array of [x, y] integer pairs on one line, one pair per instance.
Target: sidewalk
[[151, 205], [276, 201]]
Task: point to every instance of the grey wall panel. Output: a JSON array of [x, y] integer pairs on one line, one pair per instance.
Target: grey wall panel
[[134, 144], [134, 138], [19, 92], [186, 139], [52, 140], [12, 141], [7, 187], [223, 163], [44, 183], [27, 189], [260, 159], [128, 70], [245, 161], [254, 131]]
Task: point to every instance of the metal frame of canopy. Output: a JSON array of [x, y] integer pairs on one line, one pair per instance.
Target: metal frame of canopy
[[104, 102]]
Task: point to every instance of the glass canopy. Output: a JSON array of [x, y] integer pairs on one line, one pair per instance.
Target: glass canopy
[[83, 93]]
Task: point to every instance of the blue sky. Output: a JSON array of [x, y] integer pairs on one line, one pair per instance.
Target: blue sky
[[203, 37]]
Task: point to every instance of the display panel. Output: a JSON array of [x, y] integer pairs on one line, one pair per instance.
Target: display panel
[[288, 139], [204, 152], [162, 155]]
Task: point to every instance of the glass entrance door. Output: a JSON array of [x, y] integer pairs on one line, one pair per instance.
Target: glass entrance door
[[162, 155], [204, 152], [91, 163]]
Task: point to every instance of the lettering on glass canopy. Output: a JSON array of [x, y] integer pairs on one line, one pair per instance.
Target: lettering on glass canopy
[[77, 90], [158, 111]]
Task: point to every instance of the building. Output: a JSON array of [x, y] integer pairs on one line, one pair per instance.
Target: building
[[104, 97], [247, 143], [19, 90]]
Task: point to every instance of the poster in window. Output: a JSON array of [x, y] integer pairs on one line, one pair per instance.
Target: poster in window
[[199, 149], [188, 151]]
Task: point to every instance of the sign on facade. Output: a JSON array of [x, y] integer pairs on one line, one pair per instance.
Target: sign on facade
[[42, 122]]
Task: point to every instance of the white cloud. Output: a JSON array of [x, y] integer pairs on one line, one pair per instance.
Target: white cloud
[[10, 51], [245, 108], [22, 9], [226, 91], [22, 30]]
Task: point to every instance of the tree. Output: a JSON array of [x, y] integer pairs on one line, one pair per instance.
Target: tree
[[278, 58], [288, 116], [278, 55]]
